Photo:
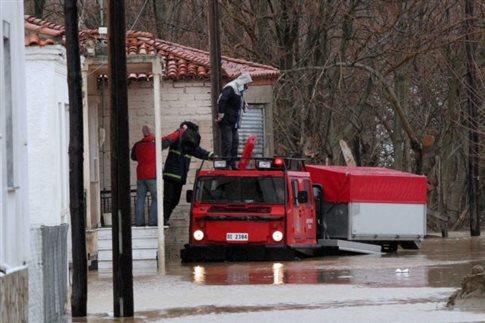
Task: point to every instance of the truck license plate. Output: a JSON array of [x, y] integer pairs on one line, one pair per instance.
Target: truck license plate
[[232, 236]]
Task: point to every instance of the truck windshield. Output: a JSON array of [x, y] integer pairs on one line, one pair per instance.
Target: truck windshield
[[270, 190]]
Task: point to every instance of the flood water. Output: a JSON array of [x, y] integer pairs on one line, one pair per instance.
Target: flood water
[[439, 263], [334, 288]]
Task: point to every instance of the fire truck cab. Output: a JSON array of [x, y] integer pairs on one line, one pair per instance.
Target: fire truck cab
[[258, 213]]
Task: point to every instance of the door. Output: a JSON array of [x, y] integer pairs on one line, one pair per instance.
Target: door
[[252, 123], [296, 214], [319, 212], [301, 224], [307, 211]]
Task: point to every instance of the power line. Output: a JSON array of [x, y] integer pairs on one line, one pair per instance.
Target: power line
[[139, 14]]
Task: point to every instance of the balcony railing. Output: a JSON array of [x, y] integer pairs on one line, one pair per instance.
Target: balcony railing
[[106, 205]]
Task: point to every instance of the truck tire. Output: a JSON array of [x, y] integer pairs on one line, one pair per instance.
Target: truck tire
[[390, 247]]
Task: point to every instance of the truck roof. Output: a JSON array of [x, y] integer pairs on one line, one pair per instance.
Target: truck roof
[[344, 184], [245, 172], [365, 171]]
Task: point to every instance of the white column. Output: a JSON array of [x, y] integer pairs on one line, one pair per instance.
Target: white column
[[86, 166], [157, 77]]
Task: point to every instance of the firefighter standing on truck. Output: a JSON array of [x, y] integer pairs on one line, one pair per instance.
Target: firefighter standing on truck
[[177, 166], [230, 106]]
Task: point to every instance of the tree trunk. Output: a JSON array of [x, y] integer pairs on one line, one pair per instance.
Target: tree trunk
[[472, 124], [159, 9], [39, 6]]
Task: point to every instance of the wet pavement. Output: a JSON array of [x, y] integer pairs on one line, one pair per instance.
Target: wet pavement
[[335, 288]]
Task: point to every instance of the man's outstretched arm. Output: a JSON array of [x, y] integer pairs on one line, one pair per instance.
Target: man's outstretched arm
[[169, 139]]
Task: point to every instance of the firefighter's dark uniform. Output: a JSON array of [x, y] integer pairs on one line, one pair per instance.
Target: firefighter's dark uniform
[[177, 166], [230, 106]]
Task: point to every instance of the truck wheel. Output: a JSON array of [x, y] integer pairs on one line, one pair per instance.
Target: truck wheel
[[390, 247]]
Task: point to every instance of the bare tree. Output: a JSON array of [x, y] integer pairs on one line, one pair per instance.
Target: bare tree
[[400, 81]]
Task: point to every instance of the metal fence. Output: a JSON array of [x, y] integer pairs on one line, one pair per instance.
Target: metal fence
[[48, 273], [54, 271], [106, 204]]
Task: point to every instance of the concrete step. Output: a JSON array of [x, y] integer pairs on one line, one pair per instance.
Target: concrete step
[[137, 265], [148, 243], [138, 254], [144, 248], [136, 233]]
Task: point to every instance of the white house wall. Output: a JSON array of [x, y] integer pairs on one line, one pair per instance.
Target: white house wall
[[13, 209], [48, 125], [48, 163], [14, 219]]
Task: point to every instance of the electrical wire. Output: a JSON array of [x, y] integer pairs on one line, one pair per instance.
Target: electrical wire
[[139, 14]]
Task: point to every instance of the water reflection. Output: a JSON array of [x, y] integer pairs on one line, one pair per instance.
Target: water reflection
[[311, 273], [278, 273], [199, 274], [440, 263]]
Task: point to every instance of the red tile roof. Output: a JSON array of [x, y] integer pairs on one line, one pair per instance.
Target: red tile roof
[[181, 62], [40, 32]]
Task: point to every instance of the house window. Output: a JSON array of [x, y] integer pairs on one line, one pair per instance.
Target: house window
[[9, 118]]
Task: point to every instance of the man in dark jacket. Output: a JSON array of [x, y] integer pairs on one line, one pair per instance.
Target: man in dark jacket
[[177, 166], [144, 152], [230, 106]]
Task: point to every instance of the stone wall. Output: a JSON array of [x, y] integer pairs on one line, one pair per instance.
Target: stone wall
[[180, 101], [14, 296]]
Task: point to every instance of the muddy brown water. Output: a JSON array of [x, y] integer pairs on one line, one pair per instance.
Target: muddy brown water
[[180, 312], [439, 263]]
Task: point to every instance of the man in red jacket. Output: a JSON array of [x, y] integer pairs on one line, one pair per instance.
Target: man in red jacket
[[144, 152]]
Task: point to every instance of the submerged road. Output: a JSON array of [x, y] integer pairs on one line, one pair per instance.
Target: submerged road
[[402, 287]]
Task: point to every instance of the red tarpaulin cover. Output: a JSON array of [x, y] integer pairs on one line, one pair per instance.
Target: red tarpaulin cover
[[343, 184]]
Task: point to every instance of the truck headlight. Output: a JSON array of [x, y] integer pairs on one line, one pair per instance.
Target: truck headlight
[[277, 236], [198, 235]]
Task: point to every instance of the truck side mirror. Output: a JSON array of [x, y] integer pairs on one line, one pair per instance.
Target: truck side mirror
[[188, 196], [302, 197]]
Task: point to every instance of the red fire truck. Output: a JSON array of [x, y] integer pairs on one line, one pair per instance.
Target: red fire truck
[[281, 209]]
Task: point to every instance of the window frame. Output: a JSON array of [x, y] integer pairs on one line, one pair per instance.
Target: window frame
[[200, 181], [9, 117]]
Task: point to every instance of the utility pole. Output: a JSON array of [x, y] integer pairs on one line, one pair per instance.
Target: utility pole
[[102, 12], [216, 78], [77, 203], [472, 104], [120, 163]]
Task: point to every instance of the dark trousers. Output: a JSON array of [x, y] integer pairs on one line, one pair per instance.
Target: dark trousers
[[171, 197], [142, 186], [230, 143]]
